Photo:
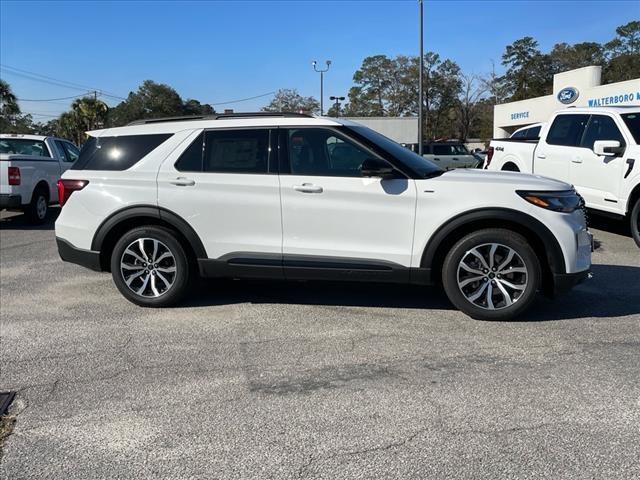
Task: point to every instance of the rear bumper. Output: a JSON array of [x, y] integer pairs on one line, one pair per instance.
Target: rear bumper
[[85, 258], [10, 201], [563, 282]]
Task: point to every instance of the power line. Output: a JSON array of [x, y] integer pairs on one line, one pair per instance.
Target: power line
[[49, 99], [54, 81], [244, 99]]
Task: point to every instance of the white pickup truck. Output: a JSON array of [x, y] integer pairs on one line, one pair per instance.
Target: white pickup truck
[[30, 166], [595, 149]]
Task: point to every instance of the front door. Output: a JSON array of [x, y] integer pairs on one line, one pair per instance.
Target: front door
[[554, 154], [333, 218], [224, 187], [597, 177]]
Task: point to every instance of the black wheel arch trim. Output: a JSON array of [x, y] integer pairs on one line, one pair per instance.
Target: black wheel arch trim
[[160, 213], [555, 257]]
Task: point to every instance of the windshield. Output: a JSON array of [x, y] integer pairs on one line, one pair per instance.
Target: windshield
[[421, 166], [633, 124]]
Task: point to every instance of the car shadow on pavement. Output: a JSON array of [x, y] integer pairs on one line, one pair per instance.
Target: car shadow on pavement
[[608, 224], [223, 292], [19, 221], [612, 292]]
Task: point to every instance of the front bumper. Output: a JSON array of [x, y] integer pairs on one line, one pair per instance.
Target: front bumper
[[10, 201], [563, 282], [72, 254]]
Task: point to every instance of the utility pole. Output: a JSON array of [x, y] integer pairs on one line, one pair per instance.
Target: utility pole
[[321, 72], [420, 92], [337, 100]]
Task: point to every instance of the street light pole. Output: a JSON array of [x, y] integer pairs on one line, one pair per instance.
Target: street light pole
[[420, 92], [337, 100], [321, 72]]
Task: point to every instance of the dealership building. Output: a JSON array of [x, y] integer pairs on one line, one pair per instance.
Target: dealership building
[[575, 88]]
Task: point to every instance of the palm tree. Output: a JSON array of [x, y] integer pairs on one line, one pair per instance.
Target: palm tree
[[8, 101], [91, 112]]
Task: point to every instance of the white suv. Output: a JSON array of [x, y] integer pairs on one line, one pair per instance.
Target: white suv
[[288, 196]]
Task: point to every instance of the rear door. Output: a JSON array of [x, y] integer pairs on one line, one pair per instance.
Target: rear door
[[554, 154], [596, 177], [226, 187], [333, 218]]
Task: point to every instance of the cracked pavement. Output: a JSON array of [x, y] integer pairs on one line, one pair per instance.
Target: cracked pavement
[[306, 380]]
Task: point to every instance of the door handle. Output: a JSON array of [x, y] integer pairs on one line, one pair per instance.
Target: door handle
[[576, 159], [308, 188], [183, 182], [455, 159], [541, 155], [436, 158]]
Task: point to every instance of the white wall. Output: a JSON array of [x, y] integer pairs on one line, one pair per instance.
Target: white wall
[[400, 129], [510, 116]]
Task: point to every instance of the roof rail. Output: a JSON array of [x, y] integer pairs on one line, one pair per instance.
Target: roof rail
[[219, 116]]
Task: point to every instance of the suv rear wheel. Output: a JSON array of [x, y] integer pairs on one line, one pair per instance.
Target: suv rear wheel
[[491, 274], [150, 267]]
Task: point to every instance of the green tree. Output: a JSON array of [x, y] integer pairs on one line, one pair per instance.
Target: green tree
[[529, 73], [289, 100], [566, 57], [623, 53], [154, 100], [9, 108]]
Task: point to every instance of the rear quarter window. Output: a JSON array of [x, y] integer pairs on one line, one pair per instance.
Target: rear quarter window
[[117, 153]]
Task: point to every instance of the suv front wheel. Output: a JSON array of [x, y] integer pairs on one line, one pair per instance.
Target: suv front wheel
[[491, 274], [150, 267]]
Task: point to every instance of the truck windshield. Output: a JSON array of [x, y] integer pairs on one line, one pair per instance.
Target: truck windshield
[[633, 124], [422, 167], [23, 146]]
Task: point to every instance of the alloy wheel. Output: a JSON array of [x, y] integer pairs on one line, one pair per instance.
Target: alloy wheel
[[492, 276], [148, 267]]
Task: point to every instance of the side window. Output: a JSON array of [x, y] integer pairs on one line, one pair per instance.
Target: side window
[[236, 151], [519, 134], [567, 130], [601, 127], [191, 158], [534, 132], [322, 152], [71, 150], [442, 150], [61, 153]]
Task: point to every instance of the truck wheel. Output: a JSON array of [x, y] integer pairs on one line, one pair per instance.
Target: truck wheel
[[635, 222], [510, 167], [150, 267], [38, 208], [491, 274]]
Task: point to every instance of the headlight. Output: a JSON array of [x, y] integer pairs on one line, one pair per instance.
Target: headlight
[[565, 201]]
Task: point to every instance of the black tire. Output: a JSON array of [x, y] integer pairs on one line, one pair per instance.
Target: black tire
[[510, 167], [635, 222], [508, 239], [38, 209], [179, 281]]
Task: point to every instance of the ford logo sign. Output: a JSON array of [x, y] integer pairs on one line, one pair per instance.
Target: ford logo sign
[[568, 95]]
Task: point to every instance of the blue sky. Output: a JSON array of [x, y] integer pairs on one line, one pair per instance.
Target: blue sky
[[220, 51]]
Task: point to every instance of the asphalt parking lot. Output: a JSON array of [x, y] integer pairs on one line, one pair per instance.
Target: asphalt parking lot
[[295, 380]]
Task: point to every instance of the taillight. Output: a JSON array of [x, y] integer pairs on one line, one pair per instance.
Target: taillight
[[489, 157], [67, 187], [14, 176]]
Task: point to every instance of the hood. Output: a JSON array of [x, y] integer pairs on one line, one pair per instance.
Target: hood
[[514, 179]]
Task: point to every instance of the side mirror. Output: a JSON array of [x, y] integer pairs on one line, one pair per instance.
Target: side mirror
[[372, 167], [607, 148]]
